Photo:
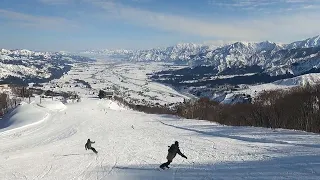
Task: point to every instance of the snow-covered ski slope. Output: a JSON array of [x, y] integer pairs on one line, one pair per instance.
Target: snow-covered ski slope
[[132, 145]]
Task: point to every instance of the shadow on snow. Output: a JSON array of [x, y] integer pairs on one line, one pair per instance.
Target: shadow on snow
[[297, 167], [225, 132]]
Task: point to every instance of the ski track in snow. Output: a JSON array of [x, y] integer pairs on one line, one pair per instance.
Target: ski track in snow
[[132, 145]]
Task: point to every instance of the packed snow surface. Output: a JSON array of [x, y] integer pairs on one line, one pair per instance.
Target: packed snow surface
[[29, 114], [132, 145], [52, 105]]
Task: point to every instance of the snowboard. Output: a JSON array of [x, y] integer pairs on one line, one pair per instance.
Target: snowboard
[[164, 168]]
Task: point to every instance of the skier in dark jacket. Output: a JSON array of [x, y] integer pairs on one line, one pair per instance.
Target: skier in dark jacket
[[88, 146], [172, 152]]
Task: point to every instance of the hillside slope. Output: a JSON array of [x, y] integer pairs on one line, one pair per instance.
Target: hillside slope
[[132, 145]]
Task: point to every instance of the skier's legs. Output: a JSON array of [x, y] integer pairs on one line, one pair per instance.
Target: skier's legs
[[94, 150], [166, 164], [170, 157]]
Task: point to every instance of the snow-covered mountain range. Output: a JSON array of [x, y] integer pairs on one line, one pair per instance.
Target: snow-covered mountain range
[[25, 66], [181, 51], [268, 58], [275, 59], [310, 42]]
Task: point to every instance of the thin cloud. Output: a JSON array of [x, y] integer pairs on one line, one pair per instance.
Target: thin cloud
[[285, 25], [281, 27], [45, 22], [300, 1], [311, 7], [56, 2], [172, 22], [142, 1], [264, 4], [243, 3]]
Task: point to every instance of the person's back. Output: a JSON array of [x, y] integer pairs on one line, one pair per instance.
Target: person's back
[[174, 148], [172, 151]]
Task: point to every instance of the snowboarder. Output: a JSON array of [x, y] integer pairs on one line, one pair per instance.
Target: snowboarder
[[88, 146], [172, 152]]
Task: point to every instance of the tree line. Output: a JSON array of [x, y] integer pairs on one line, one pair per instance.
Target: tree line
[[297, 108], [7, 103]]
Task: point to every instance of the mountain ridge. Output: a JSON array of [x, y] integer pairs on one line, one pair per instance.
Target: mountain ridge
[[274, 58], [23, 66]]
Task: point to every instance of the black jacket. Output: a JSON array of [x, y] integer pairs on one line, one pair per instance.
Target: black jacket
[[174, 150], [88, 144]]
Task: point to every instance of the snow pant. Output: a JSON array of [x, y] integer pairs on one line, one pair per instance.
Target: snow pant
[[170, 157]]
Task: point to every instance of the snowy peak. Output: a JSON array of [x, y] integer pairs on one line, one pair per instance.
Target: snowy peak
[[307, 43], [189, 51], [181, 51], [23, 53], [252, 47], [187, 46], [267, 46], [108, 52], [186, 52]]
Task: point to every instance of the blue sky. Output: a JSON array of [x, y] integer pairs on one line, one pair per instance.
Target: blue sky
[[140, 24]]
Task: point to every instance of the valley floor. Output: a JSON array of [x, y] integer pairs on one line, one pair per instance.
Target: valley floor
[[132, 145]]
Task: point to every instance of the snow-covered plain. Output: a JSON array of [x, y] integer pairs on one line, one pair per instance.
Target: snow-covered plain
[[132, 145], [128, 80]]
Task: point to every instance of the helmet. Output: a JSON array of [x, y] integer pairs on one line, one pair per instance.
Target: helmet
[[176, 143]]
